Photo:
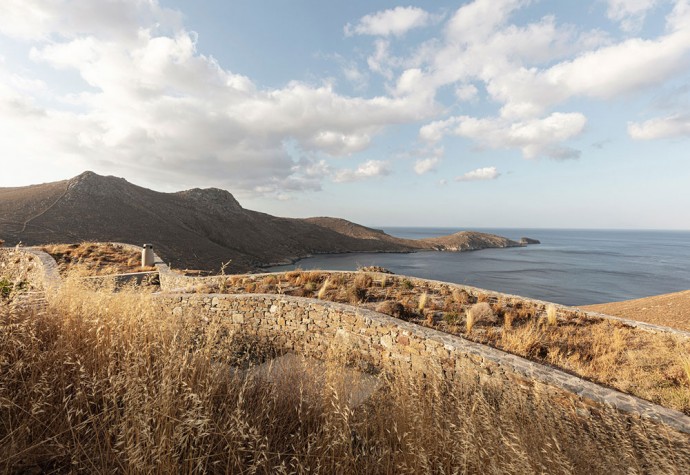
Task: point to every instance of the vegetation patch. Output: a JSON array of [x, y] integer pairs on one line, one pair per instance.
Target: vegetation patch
[[9, 288], [94, 258]]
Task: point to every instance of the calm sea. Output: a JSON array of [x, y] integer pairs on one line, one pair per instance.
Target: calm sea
[[571, 267]]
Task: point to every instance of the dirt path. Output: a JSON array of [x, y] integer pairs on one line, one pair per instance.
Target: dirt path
[[671, 310], [62, 195]]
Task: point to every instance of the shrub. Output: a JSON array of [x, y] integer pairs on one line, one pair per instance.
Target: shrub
[[451, 318], [479, 312], [392, 308]]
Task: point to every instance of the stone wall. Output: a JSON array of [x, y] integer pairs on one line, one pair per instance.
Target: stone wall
[[313, 328], [20, 264], [172, 282]]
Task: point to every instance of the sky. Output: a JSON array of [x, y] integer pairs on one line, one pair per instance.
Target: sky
[[484, 113]]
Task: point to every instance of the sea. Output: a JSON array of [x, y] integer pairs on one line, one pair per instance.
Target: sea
[[570, 267]]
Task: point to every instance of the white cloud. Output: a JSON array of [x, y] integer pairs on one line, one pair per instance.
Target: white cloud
[[156, 105], [466, 92], [115, 19], [530, 69], [534, 137], [662, 127], [425, 165], [396, 21], [369, 169], [630, 14], [480, 174]]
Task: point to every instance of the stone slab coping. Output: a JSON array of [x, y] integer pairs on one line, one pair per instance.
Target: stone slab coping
[[124, 275]]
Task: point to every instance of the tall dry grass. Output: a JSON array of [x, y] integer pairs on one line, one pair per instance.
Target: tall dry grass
[[104, 382]]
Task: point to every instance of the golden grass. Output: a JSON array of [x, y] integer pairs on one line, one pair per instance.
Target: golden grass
[[105, 383], [551, 317], [422, 301]]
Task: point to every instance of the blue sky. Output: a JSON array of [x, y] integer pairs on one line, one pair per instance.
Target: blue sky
[[485, 113]]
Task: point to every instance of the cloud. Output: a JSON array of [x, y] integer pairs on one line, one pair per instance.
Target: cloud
[[534, 137], [152, 103], [480, 174], [369, 169], [425, 165], [662, 127], [529, 70], [396, 22], [630, 14], [117, 19]]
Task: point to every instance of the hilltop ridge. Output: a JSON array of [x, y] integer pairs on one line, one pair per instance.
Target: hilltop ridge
[[196, 228]]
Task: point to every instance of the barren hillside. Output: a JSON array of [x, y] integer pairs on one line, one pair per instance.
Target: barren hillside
[[671, 310], [198, 228]]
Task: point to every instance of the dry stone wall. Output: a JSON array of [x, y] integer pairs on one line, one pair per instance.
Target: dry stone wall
[[314, 328], [173, 282], [31, 265]]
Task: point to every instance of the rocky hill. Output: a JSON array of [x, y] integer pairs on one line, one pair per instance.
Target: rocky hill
[[468, 241], [198, 228]]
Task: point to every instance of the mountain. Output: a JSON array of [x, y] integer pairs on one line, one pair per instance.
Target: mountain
[[198, 228]]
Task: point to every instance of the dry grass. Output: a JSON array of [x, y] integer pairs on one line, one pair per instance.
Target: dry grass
[[104, 383], [422, 301], [94, 258], [551, 317], [633, 361]]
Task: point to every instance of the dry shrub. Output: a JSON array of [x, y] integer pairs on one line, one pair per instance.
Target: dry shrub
[[482, 297], [363, 281], [356, 295], [527, 341], [508, 318], [392, 308], [310, 286], [685, 365], [482, 312], [108, 383]]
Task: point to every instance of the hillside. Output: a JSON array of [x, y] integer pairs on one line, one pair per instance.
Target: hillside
[[198, 228], [670, 310], [469, 241]]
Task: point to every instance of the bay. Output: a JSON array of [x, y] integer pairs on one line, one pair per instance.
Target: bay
[[571, 267]]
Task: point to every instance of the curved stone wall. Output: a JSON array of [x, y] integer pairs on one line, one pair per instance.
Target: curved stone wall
[[313, 328], [173, 282], [30, 265]]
